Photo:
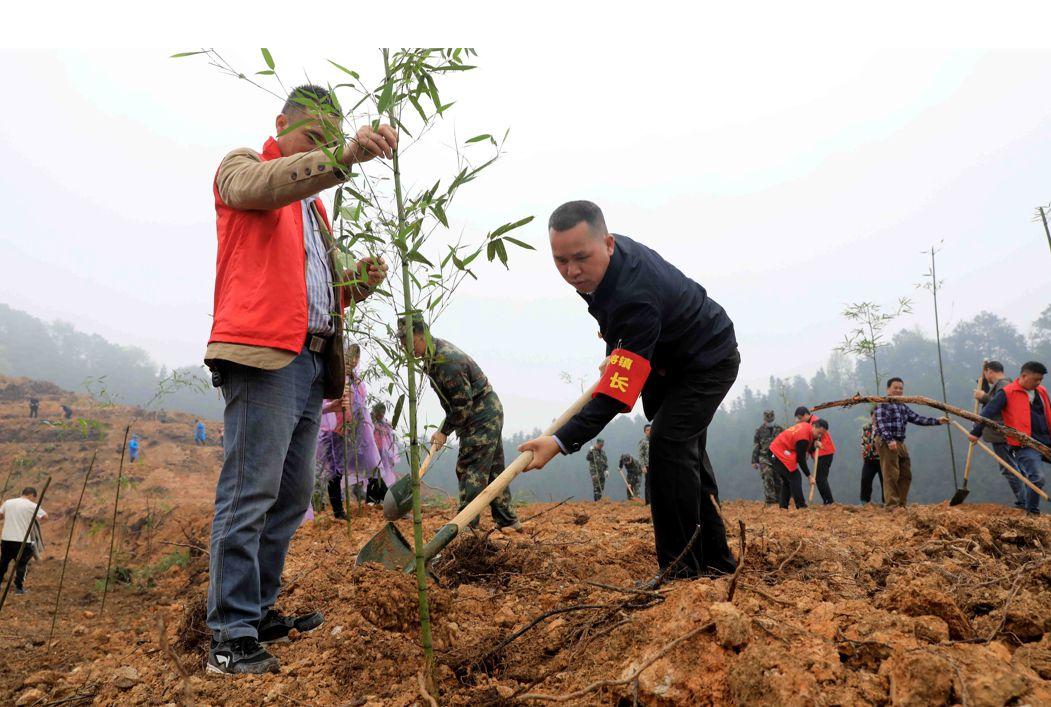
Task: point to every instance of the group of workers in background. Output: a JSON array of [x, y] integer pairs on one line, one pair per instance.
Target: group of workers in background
[[780, 455]]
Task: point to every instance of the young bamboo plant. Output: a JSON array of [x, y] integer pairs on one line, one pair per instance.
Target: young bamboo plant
[[932, 284], [867, 338], [389, 216]]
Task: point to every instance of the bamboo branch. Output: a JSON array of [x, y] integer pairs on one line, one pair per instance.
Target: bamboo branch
[[1003, 429], [69, 543]]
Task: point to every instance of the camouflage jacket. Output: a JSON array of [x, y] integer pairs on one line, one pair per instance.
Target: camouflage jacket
[[630, 465], [597, 460], [644, 451], [463, 390], [764, 435]]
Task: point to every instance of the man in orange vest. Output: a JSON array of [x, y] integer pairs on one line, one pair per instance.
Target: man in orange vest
[[790, 450], [1025, 407], [823, 461], [276, 349]]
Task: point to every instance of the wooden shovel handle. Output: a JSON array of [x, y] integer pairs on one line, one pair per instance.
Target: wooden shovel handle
[[427, 460], [473, 509], [970, 447], [994, 455]]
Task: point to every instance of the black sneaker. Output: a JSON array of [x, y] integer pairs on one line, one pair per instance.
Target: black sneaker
[[274, 628], [239, 656], [19, 590]]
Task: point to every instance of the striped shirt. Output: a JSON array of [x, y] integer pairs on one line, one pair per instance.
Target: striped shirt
[[319, 276]]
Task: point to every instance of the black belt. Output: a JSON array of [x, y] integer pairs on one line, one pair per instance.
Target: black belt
[[316, 343]]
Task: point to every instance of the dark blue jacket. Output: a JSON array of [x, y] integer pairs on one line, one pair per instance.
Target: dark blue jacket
[[646, 305]]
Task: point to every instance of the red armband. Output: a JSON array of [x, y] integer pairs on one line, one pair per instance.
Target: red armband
[[624, 377]]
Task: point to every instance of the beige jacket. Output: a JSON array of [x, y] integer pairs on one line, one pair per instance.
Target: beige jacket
[[245, 181]]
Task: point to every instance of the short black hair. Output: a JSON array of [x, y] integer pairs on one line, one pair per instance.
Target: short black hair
[[802, 410], [571, 213], [309, 98], [625, 458], [894, 380], [646, 427], [1034, 367], [29, 491], [823, 424], [418, 325], [993, 366]]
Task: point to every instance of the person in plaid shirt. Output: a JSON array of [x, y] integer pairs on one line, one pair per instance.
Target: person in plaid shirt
[[891, 420], [870, 459]]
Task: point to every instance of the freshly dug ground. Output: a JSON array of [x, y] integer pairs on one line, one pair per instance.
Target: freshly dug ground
[[835, 605]]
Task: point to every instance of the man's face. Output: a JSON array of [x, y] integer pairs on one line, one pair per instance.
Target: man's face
[[819, 432], [647, 431], [581, 256], [309, 132], [991, 376], [896, 388], [1030, 380], [599, 445]]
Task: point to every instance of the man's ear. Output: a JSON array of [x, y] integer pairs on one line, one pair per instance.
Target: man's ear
[[281, 122], [608, 238]]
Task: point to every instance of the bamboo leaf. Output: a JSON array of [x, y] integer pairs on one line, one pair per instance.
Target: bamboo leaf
[[268, 72], [439, 212], [519, 243], [344, 69], [268, 59], [180, 55], [386, 97], [508, 227], [397, 411], [479, 138]]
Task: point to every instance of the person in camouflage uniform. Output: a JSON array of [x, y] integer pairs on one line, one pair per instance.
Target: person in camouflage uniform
[[633, 472], [761, 459], [474, 412], [598, 466], [644, 459]]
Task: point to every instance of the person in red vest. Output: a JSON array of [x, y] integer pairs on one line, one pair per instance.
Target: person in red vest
[[823, 463], [276, 349], [1025, 406], [790, 450]]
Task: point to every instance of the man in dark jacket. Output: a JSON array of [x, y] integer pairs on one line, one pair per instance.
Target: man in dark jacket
[[993, 381], [652, 318]]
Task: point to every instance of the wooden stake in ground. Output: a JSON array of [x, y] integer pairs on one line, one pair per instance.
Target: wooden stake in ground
[[113, 526], [813, 479], [1024, 439], [69, 543], [22, 547]]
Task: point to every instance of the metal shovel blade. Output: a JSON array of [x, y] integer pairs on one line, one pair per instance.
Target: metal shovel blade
[[387, 547], [957, 498], [398, 500]]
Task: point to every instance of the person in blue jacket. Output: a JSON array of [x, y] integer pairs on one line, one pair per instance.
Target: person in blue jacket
[[133, 448], [198, 433]]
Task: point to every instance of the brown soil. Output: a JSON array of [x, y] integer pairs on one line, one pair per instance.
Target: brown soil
[[835, 605]]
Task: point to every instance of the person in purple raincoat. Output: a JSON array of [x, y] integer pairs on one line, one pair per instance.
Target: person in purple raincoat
[[389, 449], [351, 447]]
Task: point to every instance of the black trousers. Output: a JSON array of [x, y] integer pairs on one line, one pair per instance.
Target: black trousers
[[681, 483], [791, 485], [335, 497], [870, 469], [8, 553], [824, 464]]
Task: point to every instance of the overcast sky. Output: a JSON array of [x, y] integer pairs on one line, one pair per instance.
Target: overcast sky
[[787, 183]]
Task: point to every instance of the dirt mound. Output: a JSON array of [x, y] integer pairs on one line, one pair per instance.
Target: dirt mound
[[839, 605]]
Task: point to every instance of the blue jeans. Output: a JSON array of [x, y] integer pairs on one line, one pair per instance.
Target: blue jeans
[[1028, 462], [1003, 450], [271, 424]]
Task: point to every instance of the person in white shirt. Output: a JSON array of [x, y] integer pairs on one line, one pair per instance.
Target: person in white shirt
[[18, 515]]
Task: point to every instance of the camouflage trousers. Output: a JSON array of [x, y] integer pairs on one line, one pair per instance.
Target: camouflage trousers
[[598, 482], [634, 481], [481, 460], [771, 484]]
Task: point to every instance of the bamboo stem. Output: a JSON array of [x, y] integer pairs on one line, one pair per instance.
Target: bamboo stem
[[941, 367], [69, 543], [113, 530], [1043, 217], [414, 451]]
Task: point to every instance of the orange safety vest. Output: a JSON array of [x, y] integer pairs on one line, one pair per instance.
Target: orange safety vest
[[784, 445], [828, 447], [1017, 413], [260, 273]]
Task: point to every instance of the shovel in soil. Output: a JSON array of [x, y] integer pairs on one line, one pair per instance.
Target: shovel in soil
[[961, 493], [1010, 469], [398, 500], [390, 548]]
